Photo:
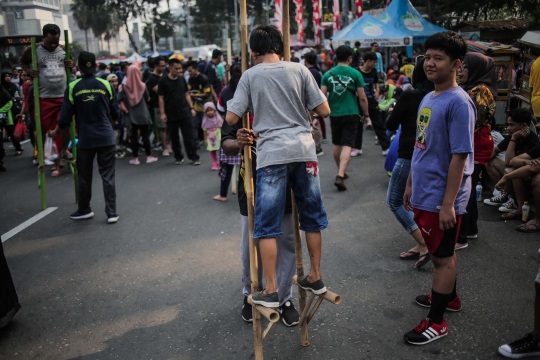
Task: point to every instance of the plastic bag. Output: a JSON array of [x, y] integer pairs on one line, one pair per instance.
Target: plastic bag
[[50, 150], [20, 131]]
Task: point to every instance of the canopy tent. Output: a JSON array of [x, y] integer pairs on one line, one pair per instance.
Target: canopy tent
[[136, 58], [401, 15], [368, 30], [159, 53]]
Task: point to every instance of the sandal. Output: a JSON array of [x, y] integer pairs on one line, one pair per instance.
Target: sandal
[[513, 215], [525, 228], [413, 255], [56, 173], [427, 258]]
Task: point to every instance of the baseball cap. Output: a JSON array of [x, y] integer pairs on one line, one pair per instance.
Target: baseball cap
[[390, 72], [87, 63]]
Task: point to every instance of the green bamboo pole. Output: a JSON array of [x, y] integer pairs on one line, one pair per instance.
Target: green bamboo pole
[[41, 167], [73, 162]]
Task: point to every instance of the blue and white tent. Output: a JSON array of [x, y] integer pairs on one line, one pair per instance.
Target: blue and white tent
[[367, 30], [401, 15]]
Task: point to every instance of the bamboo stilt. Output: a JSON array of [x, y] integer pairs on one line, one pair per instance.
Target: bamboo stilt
[[270, 314], [314, 309], [73, 162], [300, 272], [39, 133]]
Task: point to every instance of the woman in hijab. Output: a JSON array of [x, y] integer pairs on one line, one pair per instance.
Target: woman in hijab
[[8, 123], [134, 96], [405, 115], [477, 76]]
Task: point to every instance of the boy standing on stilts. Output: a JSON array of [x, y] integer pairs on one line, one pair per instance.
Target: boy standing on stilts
[[278, 93]]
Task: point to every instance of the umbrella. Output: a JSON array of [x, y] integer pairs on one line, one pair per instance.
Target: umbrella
[[177, 56]]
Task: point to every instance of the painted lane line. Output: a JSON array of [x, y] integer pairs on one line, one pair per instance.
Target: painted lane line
[[27, 223], [22, 142]]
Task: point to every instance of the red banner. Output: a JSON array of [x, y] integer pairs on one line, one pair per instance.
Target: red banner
[[278, 16], [299, 19], [335, 10], [359, 9], [317, 22]]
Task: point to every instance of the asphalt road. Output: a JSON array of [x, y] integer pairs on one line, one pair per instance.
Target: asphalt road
[[164, 282]]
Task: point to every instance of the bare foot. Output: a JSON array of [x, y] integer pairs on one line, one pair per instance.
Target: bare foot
[[219, 198]]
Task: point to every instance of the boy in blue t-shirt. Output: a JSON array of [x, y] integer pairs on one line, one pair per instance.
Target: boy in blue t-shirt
[[439, 184]]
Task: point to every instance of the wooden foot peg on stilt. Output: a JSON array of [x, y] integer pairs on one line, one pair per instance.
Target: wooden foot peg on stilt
[[270, 314]]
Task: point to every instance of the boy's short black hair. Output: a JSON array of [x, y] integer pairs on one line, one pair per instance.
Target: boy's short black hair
[[216, 53], [357, 44], [343, 53], [52, 29], [373, 44], [193, 64], [158, 59], [370, 55], [448, 41], [172, 61], [266, 40], [311, 58], [102, 66], [520, 116]]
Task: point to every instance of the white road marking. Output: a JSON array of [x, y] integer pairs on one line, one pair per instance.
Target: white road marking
[[27, 223], [22, 142]]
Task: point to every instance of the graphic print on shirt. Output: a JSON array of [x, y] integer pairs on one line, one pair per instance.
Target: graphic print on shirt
[[424, 117], [337, 87]]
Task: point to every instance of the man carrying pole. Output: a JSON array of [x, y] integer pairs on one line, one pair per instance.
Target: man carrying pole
[[93, 102], [51, 60]]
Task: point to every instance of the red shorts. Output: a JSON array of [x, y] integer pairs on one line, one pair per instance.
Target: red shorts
[[440, 243], [50, 113]]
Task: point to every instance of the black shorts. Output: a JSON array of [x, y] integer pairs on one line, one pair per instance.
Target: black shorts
[[344, 129]]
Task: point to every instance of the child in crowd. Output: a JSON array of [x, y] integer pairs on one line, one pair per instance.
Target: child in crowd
[[278, 94], [211, 124]]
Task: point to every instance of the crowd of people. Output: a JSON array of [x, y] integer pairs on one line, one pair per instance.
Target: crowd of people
[[432, 114]]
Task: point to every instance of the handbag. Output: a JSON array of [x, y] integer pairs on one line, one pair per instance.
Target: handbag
[[20, 131]]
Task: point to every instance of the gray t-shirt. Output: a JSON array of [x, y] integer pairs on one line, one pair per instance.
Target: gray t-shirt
[[277, 95], [52, 72]]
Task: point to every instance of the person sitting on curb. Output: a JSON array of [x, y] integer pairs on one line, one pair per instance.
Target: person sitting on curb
[[519, 141]]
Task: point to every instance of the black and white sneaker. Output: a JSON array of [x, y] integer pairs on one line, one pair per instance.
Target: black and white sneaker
[[317, 287], [79, 215], [113, 219], [508, 206], [179, 162], [247, 311], [196, 163], [266, 300], [426, 332], [289, 314], [497, 200], [528, 346]]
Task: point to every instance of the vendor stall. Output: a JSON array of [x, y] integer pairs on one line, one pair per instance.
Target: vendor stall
[[503, 55], [531, 51]]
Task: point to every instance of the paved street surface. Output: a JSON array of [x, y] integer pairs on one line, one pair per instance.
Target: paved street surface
[[164, 282]]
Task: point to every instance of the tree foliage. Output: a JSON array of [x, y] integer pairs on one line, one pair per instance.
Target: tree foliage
[[163, 27]]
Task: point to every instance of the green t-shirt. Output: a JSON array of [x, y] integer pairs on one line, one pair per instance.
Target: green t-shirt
[[342, 101]]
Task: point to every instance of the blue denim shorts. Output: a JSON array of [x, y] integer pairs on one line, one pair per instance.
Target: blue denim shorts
[[271, 194]]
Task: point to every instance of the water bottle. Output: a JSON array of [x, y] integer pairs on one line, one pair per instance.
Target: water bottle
[[479, 191], [525, 211]]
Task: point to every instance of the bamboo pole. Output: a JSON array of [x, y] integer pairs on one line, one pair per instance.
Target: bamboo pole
[[286, 22], [271, 314], [300, 272], [39, 134], [248, 182], [73, 162]]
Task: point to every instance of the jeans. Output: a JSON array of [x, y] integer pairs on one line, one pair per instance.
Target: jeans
[[285, 264], [271, 195], [85, 164], [396, 190]]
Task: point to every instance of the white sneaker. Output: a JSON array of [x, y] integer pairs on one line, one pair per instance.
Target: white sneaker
[[385, 152], [113, 219], [356, 152], [508, 206], [48, 162]]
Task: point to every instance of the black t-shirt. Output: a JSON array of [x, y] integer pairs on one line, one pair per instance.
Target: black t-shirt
[[370, 79], [229, 132], [522, 146], [317, 75], [174, 94], [212, 74], [153, 81], [534, 153]]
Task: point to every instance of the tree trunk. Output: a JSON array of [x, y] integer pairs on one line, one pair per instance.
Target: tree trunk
[[131, 38], [86, 38], [429, 11], [476, 12]]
